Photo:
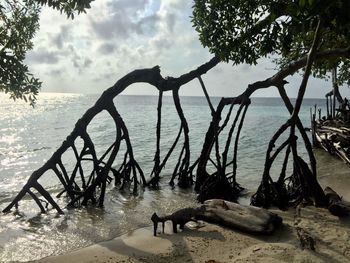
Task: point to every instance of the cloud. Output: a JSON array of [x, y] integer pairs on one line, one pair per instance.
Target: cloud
[[161, 44], [80, 62], [87, 62], [62, 37], [116, 37], [106, 48], [57, 72], [124, 18], [134, 6], [170, 21], [147, 25], [42, 57]]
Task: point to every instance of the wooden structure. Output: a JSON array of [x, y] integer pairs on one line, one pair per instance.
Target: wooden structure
[[332, 132]]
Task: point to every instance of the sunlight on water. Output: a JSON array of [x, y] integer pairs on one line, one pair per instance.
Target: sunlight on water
[[29, 136]]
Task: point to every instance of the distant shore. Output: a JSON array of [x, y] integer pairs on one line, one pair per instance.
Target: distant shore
[[211, 243]]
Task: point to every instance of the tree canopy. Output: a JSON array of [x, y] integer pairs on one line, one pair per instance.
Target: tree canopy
[[244, 31], [19, 20]]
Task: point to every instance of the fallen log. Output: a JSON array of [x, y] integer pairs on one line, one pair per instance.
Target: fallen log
[[342, 154], [322, 141], [337, 206], [335, 129], [247, 219]]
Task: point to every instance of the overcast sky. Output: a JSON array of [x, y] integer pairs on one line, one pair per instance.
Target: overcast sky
[[91, 52]]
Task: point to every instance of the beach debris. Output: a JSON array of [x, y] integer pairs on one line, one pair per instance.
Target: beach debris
[[334, 137], [180, 217], [306, 240], [332, 132], [247, 219], [336, 206]]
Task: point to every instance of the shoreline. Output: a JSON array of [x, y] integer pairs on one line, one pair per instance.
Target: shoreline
[[333, 173], [211, 243], [216, 244]]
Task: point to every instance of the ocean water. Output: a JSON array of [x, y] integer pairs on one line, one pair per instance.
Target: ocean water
[[28, 137]]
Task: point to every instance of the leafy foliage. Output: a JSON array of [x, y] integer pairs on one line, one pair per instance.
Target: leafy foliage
[[344, 72], [18, 25], [19, 20], [244, 31], [69, 7]]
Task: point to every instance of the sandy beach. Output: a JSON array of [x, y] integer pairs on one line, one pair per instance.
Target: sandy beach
[[211, 243]]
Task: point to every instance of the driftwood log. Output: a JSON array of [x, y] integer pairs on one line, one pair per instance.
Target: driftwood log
[[248, 219], [336, 205]]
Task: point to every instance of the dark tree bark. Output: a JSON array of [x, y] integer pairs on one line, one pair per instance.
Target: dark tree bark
[[156, 168], [184, 176]]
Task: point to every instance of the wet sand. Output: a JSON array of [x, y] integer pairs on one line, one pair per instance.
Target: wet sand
[[212, 243]]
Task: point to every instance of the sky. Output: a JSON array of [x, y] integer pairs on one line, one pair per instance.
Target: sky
[[90, 53]]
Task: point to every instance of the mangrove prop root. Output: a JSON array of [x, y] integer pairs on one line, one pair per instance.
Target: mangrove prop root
[[184, 175], [156, 168], [276, 80], [218, 187], [93, 188], [271, 193], [83, 186]]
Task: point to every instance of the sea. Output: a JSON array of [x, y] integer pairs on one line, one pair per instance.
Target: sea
[[29, 136]]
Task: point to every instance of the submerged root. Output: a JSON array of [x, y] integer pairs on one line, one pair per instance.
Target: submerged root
[[271, 194], [218, 187], [300, 187]]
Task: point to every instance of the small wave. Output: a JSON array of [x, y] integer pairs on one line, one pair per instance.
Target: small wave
[[41, 148]]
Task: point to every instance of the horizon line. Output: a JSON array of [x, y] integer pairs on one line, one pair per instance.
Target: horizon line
[[199, 96]]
